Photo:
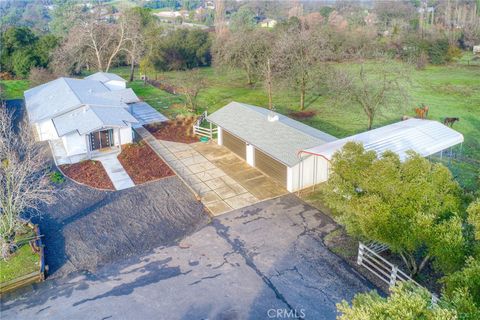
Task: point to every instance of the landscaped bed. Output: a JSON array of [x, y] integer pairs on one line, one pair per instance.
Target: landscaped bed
[[142, 163], [24, 261], [89, 172], [180, 130]]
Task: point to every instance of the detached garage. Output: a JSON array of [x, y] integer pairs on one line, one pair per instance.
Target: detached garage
[[271, 142]]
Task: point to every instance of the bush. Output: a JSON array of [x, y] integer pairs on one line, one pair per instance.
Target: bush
[[438, 51], [57, 178], [453, 52]]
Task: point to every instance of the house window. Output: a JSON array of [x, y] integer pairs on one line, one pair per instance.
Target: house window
[[101, 139]]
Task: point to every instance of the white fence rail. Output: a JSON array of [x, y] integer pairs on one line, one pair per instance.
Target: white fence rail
[[201, 131], [386, 271]]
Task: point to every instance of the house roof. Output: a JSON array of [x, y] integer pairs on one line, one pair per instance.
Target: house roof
[[425, 137], [66, 94], [281, 139], [91, 118], [105, 77]]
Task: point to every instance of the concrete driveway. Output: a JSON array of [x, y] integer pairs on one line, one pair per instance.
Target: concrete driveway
[[251, 263], [87, 228]]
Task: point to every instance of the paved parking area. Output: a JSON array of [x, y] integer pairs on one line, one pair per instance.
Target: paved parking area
[[87, 228], [204, 168], [246, 264]]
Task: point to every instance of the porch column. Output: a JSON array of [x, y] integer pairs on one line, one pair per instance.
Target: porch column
[[119, 141], [87, 144]]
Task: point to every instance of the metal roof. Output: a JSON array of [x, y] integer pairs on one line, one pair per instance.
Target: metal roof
[[105, 77], [91, 118], [282, 139], [426, 137]]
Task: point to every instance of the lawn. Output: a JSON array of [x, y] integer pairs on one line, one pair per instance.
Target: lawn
[[24, 261], [13, 89], [449, 91]]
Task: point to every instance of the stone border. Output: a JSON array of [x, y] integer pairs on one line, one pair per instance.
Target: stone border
[[34, 277]]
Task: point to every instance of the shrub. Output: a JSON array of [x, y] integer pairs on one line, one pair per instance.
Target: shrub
[[438, 51], [56, 177]]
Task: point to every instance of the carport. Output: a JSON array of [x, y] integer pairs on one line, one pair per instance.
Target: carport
[[425, 137], [270, 142]]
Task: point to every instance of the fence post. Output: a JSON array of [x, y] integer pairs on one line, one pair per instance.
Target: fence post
[[393, 276], [360, 254]]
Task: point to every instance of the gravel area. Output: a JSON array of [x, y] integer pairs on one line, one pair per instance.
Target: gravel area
[[87, 228]]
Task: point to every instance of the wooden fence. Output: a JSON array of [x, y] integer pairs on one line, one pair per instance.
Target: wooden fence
[[36, 276], [369, 258], [201, 131]]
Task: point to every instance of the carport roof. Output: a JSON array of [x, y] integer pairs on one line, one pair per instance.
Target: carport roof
[[282, 139], [426, 137]]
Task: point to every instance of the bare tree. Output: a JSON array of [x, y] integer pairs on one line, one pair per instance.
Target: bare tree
[[191, 83], [300, 53], [247, 50], [374, 88], [24, 183], [92, 42]]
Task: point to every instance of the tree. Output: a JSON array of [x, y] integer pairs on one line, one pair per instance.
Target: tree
[[243, 19], [93, 42], [406, 302], [137, 20], [191, 83], [246, 50], [65, 15], [412, 206], [374, 88], [24, 183], [300, 53], [40, 76], [462, 290], [474, 217]]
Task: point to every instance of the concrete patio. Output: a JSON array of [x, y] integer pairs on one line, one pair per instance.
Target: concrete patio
[[218, 191]]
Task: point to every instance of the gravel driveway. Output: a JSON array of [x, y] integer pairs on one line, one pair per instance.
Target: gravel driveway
[[87, 228], [252, 263]]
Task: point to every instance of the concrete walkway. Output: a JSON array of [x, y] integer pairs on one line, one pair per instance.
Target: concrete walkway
[[218, 192], [120, 178]]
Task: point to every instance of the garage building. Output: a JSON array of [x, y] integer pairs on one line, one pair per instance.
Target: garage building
[[271, 142]]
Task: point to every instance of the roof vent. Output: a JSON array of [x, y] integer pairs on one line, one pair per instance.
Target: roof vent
[[90, 90], [272, 116]]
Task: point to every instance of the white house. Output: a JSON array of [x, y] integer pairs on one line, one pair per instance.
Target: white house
[[271, 142], [82, 117]]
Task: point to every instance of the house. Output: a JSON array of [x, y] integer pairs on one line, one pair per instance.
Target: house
[[271, 142], [82, 117], [268, 23]]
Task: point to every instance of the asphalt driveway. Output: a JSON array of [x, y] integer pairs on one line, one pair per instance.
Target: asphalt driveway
[[252, 263], [87, 228]]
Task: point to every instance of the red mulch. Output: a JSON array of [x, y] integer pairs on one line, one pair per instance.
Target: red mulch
[[174, 130], [302, 114], [89, 172], [142, 163]]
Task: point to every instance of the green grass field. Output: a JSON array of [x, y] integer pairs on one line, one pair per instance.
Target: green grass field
[[22, 262], [13, 89], [449, 91]]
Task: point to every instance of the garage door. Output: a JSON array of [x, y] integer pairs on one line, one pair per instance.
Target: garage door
[[233, 143], [271, 167]]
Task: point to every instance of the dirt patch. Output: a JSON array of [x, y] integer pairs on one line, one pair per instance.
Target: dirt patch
[[142, 163], [302, 114], [180, 130], [89, 172]]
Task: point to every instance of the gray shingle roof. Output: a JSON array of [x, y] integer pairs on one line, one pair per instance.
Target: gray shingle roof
[[105, 77], [281, 139], [65, 94], [90, 118]]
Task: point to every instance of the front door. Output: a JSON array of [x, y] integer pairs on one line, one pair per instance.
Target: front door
[[101, 139]]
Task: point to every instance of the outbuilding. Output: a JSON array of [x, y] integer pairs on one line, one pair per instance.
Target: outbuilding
[[271, 142]]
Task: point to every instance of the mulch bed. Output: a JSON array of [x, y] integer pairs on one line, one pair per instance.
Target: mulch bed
[[89, 172], [302, 114], [174, 130], [142, 163]]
